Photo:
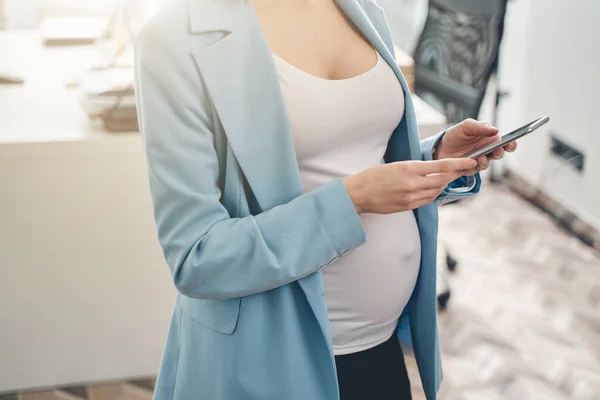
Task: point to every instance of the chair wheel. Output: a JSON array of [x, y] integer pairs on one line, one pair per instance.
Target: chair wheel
[[443, 299]]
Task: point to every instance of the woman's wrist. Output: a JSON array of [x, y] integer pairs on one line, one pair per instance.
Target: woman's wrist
[[355, 190]]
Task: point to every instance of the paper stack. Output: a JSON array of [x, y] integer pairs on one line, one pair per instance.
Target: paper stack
[[108, 94]]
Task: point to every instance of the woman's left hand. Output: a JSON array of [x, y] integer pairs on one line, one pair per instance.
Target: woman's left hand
[[467, 137]]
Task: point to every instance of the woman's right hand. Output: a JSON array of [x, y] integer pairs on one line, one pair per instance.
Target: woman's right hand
[[403, 186]]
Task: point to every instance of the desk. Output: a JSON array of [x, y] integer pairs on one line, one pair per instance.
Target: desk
[[43, 109], [85, 295]]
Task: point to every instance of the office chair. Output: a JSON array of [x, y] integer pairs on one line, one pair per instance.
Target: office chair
[[455, 57], [457, 54]]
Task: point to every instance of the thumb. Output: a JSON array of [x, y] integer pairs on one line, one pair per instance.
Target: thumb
[[471, 127]]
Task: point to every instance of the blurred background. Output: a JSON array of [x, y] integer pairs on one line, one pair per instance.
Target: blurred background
[[85, 295]]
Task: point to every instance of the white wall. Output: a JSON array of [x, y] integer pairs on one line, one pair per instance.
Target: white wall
[[27, 14], [551, 64], [2, 14], [20, 14]]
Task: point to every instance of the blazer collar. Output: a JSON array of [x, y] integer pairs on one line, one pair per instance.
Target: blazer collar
[[216, 15]]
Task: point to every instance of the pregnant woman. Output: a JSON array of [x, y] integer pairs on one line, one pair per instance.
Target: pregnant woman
[[294, 202]]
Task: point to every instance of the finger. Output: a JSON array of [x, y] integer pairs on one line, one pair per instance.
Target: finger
[[444, 166], [497, 154], [483, 163], [439, 180], [471, 172], [512, 146], [471, 127]]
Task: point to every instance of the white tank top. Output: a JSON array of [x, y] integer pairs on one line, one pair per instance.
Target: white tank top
[[340, 128]]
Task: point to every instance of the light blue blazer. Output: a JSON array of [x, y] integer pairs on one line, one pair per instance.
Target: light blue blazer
[[244, 243]]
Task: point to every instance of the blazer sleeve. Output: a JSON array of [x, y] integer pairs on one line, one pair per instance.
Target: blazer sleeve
[[211, 255], [464, 186]]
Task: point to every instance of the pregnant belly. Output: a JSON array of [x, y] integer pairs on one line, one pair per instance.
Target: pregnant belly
[[367, 289]]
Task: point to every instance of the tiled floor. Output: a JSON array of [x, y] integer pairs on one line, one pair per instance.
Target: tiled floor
[[524, 317], [523, 322]]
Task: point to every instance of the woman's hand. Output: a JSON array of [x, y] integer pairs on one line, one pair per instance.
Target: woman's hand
[[467, 137], [403, 186]]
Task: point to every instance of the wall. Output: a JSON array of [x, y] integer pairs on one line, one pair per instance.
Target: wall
[[27, 14], [550, 64], [2, 23], [21, 14]]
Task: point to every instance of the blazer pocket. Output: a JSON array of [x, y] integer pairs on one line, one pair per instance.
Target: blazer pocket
[[218, 315]]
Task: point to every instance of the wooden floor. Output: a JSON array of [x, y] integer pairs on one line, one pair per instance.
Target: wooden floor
[[523, 321]]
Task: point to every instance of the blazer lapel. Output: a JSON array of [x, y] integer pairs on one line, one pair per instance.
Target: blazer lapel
[[240, 75]]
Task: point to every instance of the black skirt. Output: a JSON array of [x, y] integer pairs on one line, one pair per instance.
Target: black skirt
[[378, 373]]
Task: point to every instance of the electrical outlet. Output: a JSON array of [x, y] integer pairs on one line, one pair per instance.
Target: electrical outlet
[[575, 158]]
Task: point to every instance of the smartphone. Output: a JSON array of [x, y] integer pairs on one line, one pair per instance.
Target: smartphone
[[509, 137]]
